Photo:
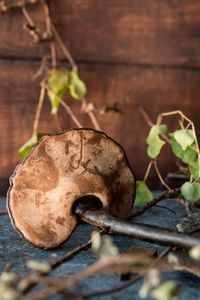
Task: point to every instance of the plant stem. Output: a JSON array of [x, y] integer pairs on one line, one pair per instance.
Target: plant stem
[[39, 108], [71, 114], [165, 195], [64, 48]]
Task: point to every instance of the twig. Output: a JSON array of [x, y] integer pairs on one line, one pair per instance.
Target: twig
[[30, 26], [57, 121], [89, 109], [53, 55], [39, 108], [146, 116], [130, 282], [160, 176], [165, 195], [64, 48], [148, 170], [3, 212], [71, 114], [6, 5]]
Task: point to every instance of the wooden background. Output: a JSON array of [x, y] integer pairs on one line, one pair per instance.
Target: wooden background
[[134, 52]]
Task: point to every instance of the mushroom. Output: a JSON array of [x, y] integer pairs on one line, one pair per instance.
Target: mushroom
[[61, 169], [78, 174]]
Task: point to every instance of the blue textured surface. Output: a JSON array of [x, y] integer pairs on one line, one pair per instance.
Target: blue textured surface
[[17, 251]]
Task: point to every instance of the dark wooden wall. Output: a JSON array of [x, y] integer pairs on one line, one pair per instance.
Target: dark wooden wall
[[136, 52]]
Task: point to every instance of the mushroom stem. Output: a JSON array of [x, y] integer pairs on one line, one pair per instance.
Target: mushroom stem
[[88, 213]]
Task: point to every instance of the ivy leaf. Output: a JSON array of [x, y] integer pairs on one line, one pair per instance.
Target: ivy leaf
[[77, 87], [168, 290], [57, 87], [103, 247], [27, 147], [187, 156], [184, 137], [194, 169], [153, 140], [191, 191], [143, 194]]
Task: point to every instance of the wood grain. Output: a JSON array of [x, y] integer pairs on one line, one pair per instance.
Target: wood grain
[[132, 87], [156, 32]]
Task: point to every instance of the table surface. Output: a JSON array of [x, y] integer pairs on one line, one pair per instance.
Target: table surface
[[17, 251]]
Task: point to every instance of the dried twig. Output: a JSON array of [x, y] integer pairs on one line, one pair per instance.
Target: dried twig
[[165, 195], [39, 108], [6, 5]]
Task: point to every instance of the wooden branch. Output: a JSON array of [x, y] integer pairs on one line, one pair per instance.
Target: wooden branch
[[6, 5]]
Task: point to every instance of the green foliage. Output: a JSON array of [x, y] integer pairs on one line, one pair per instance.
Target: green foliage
[[27, 147], [8, 290], [57, 87], [77, 87], [194, 168], [184, 138], [59, 81], [191, 191], [103, 246], [154, 142], [143, 194], [188, 155]]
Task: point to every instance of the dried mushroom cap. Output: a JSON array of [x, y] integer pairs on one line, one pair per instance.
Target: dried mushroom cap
[[61, 169]]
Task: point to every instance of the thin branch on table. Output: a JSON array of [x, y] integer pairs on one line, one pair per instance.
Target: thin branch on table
[[165, 195], [3, 212], [130, 282]]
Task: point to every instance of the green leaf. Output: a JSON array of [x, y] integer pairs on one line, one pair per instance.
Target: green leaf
[[103, 246], [194, 169], [77, 87], [57, 87], [184, 137], [143, 194], [168, 290], [36, 265], [27, 147], [191, 191], [153, 140], [187, 156]]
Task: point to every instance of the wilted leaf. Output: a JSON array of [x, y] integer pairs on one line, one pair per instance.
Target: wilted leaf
[[194, 169], [188, 156], [36, 265], [103, 247], [184, 137], [168, 290], [143, 194], [191, 191], [57, 87], [27, 147], [153, 140], [77, 87]]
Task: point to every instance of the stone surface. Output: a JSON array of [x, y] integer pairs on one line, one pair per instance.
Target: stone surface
[[17, 251]]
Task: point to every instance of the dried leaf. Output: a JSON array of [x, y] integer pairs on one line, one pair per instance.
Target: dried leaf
[[36, 265], [103, 246], [168, 290]]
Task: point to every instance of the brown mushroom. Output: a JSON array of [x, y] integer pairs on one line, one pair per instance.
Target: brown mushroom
[[61, 169]]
